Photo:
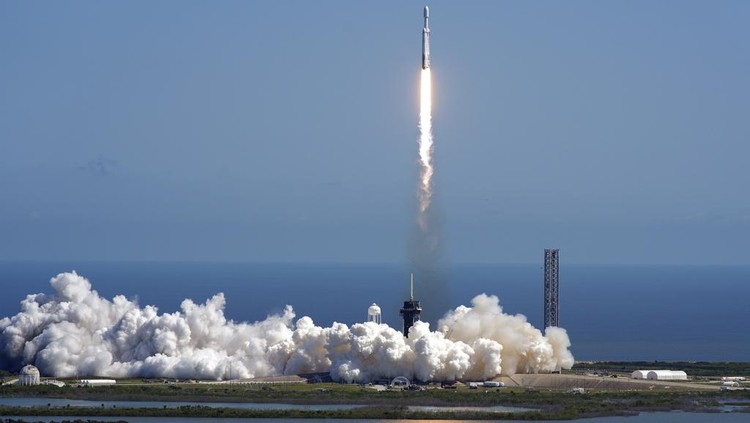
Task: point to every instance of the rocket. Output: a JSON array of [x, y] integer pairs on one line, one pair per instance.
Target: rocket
[[426, 39]]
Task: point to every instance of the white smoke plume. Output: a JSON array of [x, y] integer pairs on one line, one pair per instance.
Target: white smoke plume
[[75, 332], [425, 150]]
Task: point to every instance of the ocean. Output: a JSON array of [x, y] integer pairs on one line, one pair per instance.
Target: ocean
[[613, 312]]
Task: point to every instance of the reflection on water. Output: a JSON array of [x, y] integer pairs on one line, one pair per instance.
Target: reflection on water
[[673, 417], [495, 409]]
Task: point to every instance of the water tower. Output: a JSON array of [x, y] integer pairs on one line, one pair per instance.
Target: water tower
[[28, 376], [373, 314]]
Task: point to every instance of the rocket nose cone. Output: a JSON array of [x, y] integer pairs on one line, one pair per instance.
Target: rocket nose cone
[[426, 12]]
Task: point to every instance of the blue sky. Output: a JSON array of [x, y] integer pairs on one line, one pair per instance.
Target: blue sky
[[286, 131]]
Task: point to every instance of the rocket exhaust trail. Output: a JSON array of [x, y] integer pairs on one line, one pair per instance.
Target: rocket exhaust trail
[[425, 148], [425, 249], [425, 128]]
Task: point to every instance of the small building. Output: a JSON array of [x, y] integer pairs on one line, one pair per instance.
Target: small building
[[493, 384], [29, 376], [97, 382], [659, 375], [53, 382], [400, 381]]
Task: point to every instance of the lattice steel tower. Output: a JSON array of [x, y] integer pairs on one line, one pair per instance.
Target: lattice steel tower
[[551, 287]]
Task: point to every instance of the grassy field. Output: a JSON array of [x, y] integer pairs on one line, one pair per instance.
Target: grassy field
[[389, 404], [549, 403]]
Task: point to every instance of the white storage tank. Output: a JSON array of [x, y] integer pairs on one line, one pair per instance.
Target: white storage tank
[[29, 376], [373, 314]]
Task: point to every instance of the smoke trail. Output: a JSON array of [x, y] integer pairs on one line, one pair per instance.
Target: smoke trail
[[425, 150], [430, 276], [75, 332]]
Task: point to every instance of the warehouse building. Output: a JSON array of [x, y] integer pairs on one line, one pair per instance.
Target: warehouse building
[[659, 375]]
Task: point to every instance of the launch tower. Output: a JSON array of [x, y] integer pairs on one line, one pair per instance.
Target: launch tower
[[411, 310], [551, 287]]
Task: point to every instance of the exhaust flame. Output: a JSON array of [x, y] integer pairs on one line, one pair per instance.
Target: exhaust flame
[[425, 149]]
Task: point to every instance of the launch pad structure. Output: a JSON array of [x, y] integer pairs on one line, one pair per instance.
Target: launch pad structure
[[411, 310], [551, 287]]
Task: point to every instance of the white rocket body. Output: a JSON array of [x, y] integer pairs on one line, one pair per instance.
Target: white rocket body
[[426, 39]]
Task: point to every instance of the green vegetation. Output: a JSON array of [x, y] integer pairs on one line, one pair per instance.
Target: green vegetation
[[358, 413], [393, 404]]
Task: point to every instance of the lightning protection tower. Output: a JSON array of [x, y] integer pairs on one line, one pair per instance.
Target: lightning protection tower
[[551, 287], [411, 310]]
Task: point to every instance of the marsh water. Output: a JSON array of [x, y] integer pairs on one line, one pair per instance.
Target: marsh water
[[673, 417]]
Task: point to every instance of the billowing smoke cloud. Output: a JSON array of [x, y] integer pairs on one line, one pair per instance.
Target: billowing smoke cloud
[[75, 332]]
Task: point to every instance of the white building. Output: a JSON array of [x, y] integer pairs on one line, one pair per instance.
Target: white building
[[29, 376], [666, 375], [659, 375], [96, 382], [53, 383]]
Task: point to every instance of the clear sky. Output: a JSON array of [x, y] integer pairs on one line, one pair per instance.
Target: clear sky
[[286, 131]]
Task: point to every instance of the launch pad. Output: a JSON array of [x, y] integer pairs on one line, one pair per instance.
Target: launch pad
[[411, 310]]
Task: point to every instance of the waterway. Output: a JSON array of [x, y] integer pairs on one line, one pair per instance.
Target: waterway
[[672, 417], [495, 409]]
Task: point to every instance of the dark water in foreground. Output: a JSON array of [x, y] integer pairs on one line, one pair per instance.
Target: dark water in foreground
[[673, 417], [611, 312]]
